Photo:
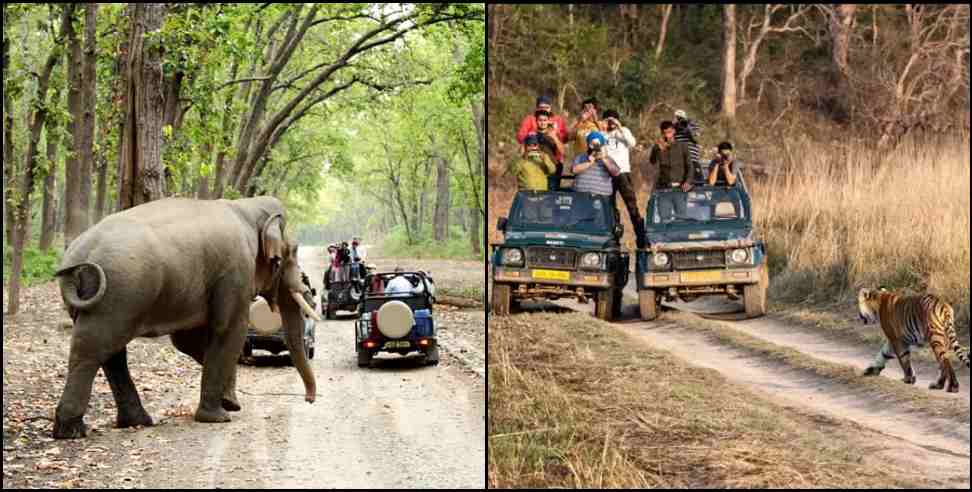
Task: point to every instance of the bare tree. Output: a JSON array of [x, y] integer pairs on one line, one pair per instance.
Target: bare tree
[[759, 27], [8, 163], [49, 204], [666, 14], [729, 64]]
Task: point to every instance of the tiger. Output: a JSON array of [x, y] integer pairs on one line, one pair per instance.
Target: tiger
[[913, 321]]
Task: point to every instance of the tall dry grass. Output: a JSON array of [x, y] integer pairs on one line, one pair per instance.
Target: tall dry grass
[[839, 218]]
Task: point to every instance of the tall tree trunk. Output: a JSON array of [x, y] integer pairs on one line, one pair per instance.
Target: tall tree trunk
[[75, 216], [479, 122], [729, 66], [49, 206], [142, 178], [475, 236], [443, 198], [30, 167], [666, 14], [202, 190], [841, 20], [89, 100], [101, 196], [7, 138]]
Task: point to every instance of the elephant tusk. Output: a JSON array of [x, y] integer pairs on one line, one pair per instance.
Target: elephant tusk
[[304, 306]]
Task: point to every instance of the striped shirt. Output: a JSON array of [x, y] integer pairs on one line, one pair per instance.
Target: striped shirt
[[597, 178], [686, 134]]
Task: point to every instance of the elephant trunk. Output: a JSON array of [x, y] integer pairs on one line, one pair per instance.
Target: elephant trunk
[[294, 324], [82, 285]]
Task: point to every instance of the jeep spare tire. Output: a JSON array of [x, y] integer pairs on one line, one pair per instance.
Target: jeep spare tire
[[264, 321], [395, 319]]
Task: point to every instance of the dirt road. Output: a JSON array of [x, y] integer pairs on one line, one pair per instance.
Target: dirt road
[[397, 424], [902, 435]]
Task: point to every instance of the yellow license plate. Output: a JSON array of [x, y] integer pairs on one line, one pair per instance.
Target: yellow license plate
[[551, 275], [700, 277]]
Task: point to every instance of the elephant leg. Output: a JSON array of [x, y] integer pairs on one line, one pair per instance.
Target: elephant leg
[[227, 335], [91, 346], [193, 343], [130, 410]]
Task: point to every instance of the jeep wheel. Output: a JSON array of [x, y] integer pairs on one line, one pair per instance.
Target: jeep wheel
[[364, 358], [604, 307], [649, 305], [328, 312], [754, 295], [501, 300]]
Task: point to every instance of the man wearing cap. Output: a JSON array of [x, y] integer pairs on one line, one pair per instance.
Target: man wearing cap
[[674, 171], [688, 131], [724, 169], [594, 169], [618, 148], [532, 169]]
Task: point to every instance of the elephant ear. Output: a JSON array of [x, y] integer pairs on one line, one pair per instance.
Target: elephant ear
[[272, 240]]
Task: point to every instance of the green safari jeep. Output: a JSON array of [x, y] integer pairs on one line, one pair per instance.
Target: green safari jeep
[[557, 245], [701, 244]]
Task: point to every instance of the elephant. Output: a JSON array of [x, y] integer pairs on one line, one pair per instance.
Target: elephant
[[184, 268]]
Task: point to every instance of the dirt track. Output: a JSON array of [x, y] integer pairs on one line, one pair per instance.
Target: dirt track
[[398, 424], [935, 448]]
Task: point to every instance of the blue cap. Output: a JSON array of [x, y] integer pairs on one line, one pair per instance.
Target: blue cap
[[544, 100], [591, 137], [531, 139]]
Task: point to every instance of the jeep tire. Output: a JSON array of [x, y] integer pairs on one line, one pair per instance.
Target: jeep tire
[[501, 299], [618, 304], [648, 304], [604, 306], [432, 356], [754, 295], [364, 358]]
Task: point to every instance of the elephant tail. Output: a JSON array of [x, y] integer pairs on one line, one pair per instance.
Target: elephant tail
[[82, 285]]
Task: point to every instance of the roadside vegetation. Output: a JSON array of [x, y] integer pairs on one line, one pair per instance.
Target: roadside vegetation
[[575, 403]]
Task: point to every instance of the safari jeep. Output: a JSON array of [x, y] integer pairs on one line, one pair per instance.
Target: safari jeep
[[557, 245], [702, 246]]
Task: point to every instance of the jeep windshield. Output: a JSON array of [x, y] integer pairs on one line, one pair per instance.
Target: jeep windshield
[[705, 205], [568, 212]]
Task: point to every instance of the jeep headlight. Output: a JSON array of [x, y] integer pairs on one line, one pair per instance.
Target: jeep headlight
[[591, 260], [660, 259], [739, 256], [512, 257]]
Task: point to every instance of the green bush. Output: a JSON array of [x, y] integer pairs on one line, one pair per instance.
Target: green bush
[[39, 266]]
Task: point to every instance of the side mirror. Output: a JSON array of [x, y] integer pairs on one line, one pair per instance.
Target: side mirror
[[501, 224]]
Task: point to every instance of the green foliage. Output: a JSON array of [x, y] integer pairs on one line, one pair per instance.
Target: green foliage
[[396, 245], [39, 266]]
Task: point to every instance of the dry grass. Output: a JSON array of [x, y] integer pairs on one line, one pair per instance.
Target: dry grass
[[575, 403], [839, 218]]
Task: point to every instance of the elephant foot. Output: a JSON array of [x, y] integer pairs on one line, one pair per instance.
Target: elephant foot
[[217, 415], [873, 371], [138, 418], [909, 380], [70, 428], [231, 404]]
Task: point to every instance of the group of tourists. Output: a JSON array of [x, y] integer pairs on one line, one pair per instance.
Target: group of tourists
[[597, 147]]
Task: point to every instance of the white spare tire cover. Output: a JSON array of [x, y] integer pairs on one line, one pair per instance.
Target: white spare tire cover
[[264, 321], [395, 319]]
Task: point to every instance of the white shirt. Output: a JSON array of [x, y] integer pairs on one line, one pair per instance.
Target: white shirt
[[360, 251], [619, 143], [401, 285]]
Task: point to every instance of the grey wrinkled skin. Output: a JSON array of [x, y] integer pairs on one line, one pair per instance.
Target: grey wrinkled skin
[[179, 267]]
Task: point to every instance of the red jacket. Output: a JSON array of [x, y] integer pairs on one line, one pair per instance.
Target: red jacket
[[529, 125]]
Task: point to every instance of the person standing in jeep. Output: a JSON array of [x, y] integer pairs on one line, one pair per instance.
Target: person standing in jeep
[[674, 161], [619, 144]]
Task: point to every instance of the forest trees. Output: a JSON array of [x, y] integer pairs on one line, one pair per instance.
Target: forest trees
[[232, 100]]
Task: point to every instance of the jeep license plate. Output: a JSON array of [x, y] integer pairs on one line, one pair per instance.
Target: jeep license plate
[[700, 277], [551, 275], [401, 344]]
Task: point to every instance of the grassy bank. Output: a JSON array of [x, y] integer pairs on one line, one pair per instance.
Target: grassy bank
[[837, 219], [39, 266], [575, 403]]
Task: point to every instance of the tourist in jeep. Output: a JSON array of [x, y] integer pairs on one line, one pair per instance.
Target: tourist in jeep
[[724, 169], [595, 169], [620, 140], [534, 167], [674, 162], [586, 123]]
